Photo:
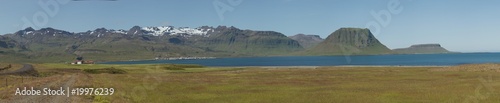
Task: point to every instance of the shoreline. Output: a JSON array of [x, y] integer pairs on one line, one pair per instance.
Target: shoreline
[[313, 67]]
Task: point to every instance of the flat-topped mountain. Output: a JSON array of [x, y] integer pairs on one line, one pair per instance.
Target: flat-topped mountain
[[348, 41], [422, 49], [307, 41]]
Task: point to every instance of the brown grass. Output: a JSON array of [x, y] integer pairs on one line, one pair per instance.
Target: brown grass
[[472, 68], [326, 84], [152, 83]]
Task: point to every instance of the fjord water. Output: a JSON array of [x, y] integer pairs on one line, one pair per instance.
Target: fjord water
[[372, 60]]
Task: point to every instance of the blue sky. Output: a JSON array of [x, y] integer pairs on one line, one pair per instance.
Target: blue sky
[[458, 25]]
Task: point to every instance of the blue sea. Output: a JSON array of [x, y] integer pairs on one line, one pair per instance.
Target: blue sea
[[362, 60]]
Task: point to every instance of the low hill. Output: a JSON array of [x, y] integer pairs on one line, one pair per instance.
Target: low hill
[[350, 41], [422, 49]]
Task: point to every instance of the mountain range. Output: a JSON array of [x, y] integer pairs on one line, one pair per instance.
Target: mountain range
[[101, 44], [48, 44]]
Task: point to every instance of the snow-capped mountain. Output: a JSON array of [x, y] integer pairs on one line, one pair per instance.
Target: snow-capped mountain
[[136, 30], [103, 31], [170, 30], [44, 31]]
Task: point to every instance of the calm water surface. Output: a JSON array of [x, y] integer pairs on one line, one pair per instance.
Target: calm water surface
[[382, 60]]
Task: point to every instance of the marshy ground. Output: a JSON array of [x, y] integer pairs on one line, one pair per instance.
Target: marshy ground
[[191, 83]]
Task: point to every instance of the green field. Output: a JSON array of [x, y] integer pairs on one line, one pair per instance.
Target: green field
[[193, 84]]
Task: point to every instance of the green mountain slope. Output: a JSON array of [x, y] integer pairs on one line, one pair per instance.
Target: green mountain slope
[[248, 42], [349, 41]]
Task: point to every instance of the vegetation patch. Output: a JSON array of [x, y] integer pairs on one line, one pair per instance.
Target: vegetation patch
[[180, 66], [46, 74], [110, 70]]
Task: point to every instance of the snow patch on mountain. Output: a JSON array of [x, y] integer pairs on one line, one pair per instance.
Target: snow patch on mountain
[[203, 31], [170, 30]]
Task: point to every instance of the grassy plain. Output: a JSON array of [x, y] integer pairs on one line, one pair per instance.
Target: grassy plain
[[158, 83]]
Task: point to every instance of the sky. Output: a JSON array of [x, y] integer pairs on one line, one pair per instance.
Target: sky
[[458, 25]]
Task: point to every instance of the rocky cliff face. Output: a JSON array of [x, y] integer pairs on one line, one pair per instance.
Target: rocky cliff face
[[347, 41], [422, 49], [307, 41]]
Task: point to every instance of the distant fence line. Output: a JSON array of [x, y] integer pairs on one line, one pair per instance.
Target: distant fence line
[[11, 80]]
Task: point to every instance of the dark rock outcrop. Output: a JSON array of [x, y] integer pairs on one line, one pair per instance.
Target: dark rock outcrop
[[136, 30]]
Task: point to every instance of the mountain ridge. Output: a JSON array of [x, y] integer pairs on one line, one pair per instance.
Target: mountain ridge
[[103, 44]]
